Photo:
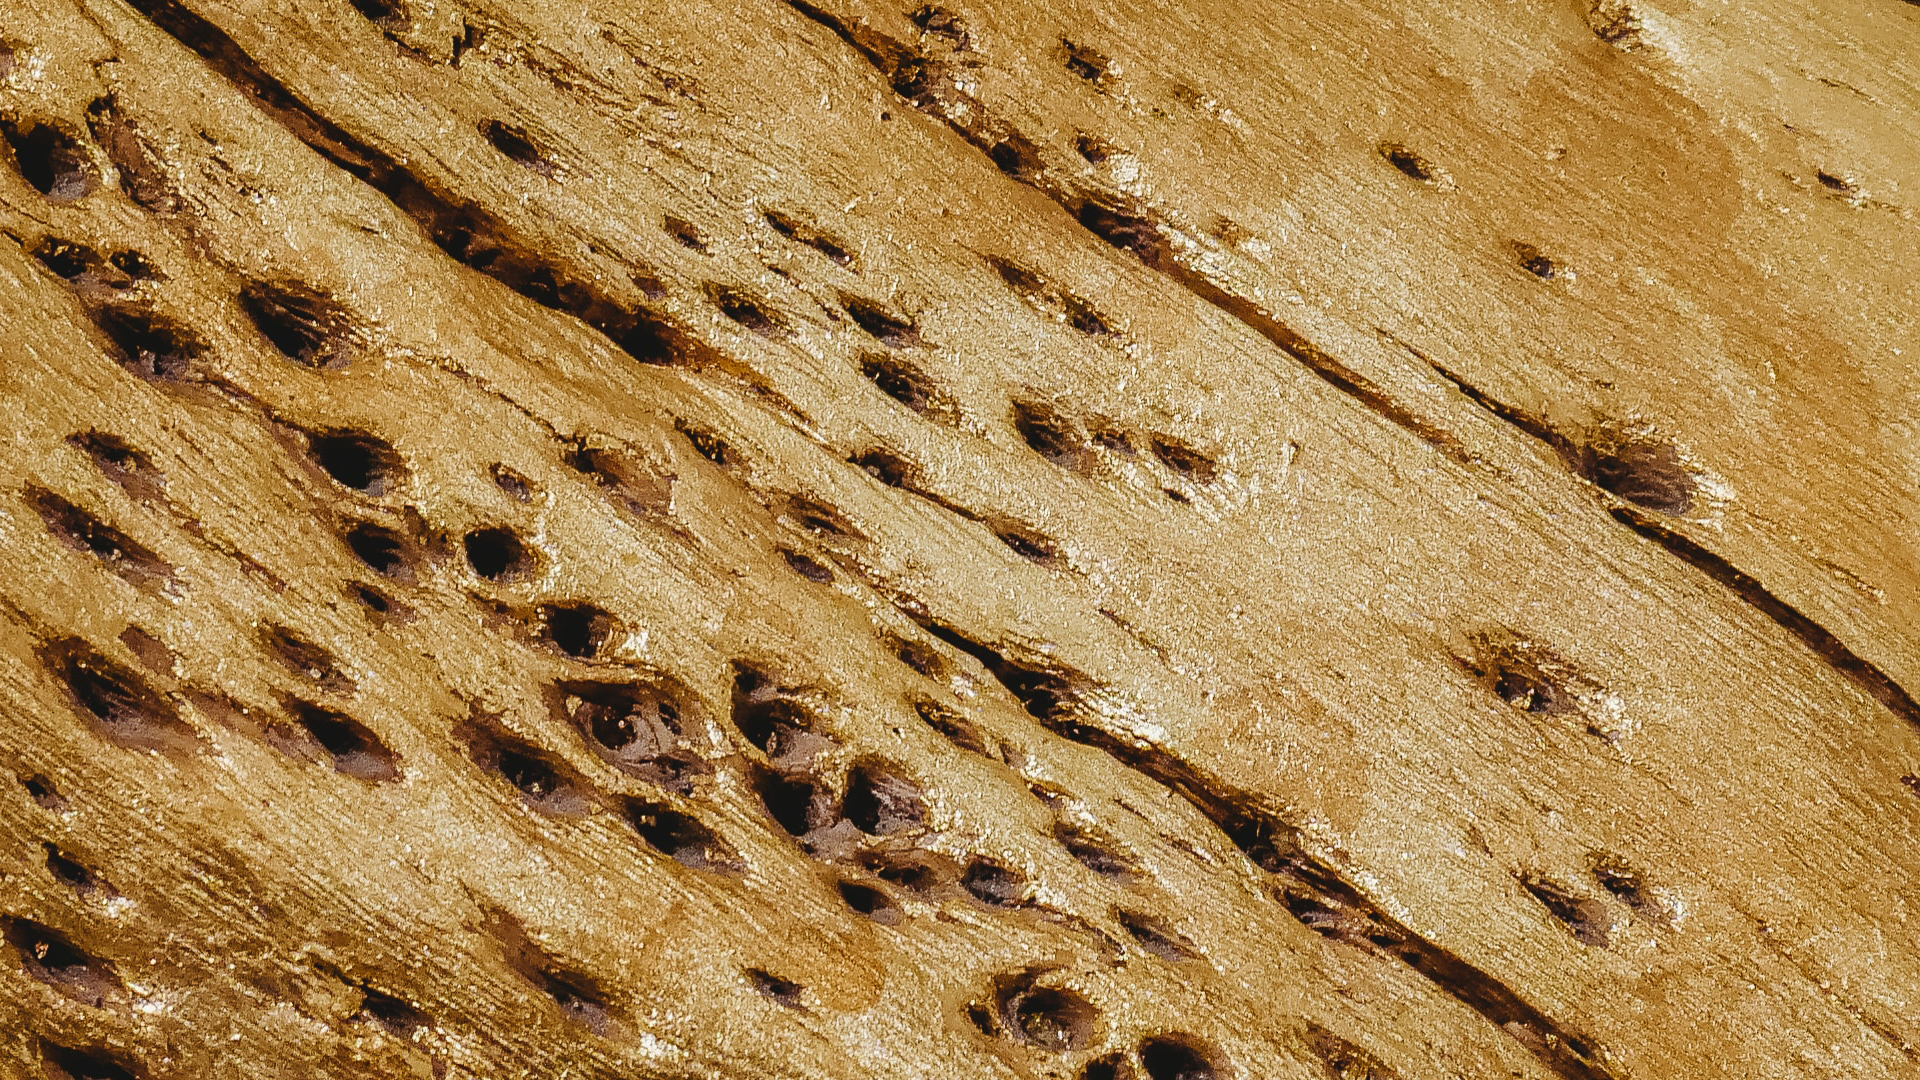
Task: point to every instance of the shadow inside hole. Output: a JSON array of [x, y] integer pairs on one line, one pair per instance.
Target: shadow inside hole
[[123, 463], [304, 658], [382, 550], [1096, 853], [123, 707], [1343, 1059], [306, 325], [750, 313], [799, 232], [1586, 918], [1536, 262], [1177, 1057], [44, 794], [889, 329], [357, 461], [1029, 545], [881, 800], [517, 146], [785, 991], [900, 381], [684, 233], [149, 344], [397, 1016], [81, 531], [545, 784], [51, 161], [943, 24], [498, 555], [641, 728], [1155, 936], [1413, 165], [52, 958], [994, 883], [807, 567], [580, 630], [71, 1063], [682, 838], [870, 901], [512, 481], [1645, 472], [352, 747], [1051, 1018]]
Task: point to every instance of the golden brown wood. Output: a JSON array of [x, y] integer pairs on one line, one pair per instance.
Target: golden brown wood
[[822, 541]]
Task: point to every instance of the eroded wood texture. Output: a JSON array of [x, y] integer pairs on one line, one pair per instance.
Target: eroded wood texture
[[788, 540]]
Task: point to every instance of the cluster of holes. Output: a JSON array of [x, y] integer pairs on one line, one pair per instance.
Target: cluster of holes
[[83, 267], [300, 321], [872, 816], [944, 25]]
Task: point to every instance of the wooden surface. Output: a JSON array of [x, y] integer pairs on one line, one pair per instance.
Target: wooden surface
[[786, 540]]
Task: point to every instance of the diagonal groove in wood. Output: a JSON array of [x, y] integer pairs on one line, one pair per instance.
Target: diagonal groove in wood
[[1824, 644], [897, 63], [1306, 884]]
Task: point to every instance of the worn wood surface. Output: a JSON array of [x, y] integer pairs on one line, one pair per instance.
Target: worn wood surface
[[1187, 542]]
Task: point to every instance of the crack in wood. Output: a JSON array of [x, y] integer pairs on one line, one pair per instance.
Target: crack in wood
[[1824, 644], [1312, 890]]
